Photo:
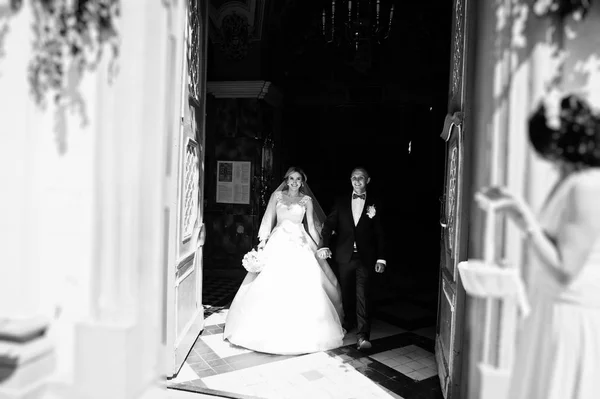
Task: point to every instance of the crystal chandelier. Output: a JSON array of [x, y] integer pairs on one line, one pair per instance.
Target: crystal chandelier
[[355, 22]]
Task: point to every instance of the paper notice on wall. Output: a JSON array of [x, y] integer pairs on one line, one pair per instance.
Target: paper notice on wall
[[233, 182]]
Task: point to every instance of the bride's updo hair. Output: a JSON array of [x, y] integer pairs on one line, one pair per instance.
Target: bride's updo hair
[[576, 140], [291, 170]]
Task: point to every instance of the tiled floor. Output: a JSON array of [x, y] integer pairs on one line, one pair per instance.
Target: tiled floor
[[401, 363], [412, 361], [217, 292]]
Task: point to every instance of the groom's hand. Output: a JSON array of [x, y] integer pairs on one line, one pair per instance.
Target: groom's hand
[[379, 267], [324, 253]]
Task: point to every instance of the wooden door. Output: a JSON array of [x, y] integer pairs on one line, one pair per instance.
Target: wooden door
[[185, 225], [454, 214], [448, 340]]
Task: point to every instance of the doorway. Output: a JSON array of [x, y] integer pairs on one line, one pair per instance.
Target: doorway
[[401, 148], [406, 302], [395, 135]]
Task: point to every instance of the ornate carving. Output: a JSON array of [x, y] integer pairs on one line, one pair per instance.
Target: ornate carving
[[252, 10], [451, 195], [235, 24], [190, 189], [235, 34], [194, 46], [457, 56], [68, 36], [265, 177]]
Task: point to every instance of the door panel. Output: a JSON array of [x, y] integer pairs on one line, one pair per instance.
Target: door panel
[[451, 295], [185, 313], [444, 341], [186, 288], [454, 238]]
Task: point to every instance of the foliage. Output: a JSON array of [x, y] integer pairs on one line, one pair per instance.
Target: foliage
[[67, 34], [577, 8]]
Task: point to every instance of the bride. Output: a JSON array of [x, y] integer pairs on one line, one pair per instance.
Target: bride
[[293, 306]]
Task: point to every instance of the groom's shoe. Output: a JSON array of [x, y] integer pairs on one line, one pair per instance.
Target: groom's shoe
[[363, 344]]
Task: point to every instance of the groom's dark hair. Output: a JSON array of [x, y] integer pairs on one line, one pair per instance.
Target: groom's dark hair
[[362, 169]]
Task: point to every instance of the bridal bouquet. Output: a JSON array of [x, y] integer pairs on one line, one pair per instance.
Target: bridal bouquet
[[254, 260]]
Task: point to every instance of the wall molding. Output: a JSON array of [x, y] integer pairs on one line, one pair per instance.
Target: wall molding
[[260, 89]]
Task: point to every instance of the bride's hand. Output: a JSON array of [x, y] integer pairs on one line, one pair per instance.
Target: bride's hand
[[323, 253], [513, 206]]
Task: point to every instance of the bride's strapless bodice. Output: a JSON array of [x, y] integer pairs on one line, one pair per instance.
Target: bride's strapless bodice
[[290, 226], [292, 212], [584, 289]]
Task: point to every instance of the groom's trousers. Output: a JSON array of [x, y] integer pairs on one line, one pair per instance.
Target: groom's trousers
[[355, 282]]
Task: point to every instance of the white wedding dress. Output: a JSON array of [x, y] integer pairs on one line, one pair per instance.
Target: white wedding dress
[[293, 306], [558, 350]]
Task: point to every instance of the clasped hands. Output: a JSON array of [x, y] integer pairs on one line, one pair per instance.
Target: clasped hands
[[325, 253]]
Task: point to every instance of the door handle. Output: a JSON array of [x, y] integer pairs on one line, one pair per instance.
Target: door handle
[[443, 220], [202, 235]]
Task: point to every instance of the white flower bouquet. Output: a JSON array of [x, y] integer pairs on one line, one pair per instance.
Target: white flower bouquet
[[254, 260]]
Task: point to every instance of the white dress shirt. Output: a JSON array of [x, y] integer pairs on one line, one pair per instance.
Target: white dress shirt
[[358, 205]]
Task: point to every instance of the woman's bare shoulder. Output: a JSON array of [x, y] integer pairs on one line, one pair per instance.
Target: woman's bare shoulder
[[587, 180], [585, 191]]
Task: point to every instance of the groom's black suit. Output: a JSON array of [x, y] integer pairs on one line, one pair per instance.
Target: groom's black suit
[[355, 265]]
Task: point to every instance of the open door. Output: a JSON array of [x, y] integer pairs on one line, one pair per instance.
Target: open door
[[454, 215], [448, 340], [184, 208]]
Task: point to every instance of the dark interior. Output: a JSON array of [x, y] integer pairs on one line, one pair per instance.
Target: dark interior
[[341, 109]]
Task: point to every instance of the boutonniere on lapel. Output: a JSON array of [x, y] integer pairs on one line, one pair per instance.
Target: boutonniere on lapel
[[371, 211]]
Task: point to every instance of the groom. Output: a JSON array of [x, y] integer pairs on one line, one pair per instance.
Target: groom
[[359, 251]]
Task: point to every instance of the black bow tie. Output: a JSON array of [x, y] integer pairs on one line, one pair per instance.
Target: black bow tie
[[361, 196]]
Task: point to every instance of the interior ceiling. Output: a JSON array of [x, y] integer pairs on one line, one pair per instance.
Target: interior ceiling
[[414, 60]]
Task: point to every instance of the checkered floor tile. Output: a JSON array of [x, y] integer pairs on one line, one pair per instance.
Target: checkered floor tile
[[412, 361], [388, 370], [217, 292], [401, 363]]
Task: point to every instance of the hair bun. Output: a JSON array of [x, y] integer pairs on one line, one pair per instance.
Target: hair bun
[[577, 139], [575, 110]]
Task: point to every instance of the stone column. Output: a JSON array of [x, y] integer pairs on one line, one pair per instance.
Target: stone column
[[82, 217], [121, 341], [27, 356]]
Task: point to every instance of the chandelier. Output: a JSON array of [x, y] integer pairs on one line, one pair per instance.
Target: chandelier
[[358, 22]]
